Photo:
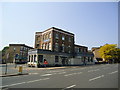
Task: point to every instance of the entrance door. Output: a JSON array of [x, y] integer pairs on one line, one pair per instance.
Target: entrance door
[[40, 58], [64, 61]]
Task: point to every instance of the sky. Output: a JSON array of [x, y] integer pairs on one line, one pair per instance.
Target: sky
[[93, 23]]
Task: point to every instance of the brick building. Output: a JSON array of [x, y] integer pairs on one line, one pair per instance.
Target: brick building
[[18, 52], [55, 39], [96, 53], [58, 48], [82, 53]]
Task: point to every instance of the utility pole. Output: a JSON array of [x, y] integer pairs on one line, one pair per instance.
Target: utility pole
[[14, 57], [6, 63]]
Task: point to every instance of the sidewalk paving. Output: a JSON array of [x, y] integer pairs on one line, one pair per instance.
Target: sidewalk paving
[[12, 71]]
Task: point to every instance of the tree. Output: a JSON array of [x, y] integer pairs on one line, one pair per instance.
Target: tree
[[4, 51], [110, 52]]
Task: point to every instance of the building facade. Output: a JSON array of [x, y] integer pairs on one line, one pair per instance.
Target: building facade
[[37, 56], [55, 39], [82, 53], [17, 53], [96, 53], [58, 48]]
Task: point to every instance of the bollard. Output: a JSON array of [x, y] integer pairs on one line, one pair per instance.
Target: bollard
[[20, 69]]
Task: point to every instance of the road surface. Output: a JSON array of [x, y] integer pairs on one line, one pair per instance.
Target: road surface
[[94, 76]]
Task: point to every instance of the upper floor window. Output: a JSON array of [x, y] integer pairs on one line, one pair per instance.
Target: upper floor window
[[63, 37], [49, 46], [50, 35], [47, 36], [43, 46], [56, 46], [69, 39], [56, 36], [79, 49], [63, 48]]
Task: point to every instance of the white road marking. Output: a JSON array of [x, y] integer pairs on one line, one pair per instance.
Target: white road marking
[[96, 78], [33, 73], [72, 74], [37, 80], [46, 75], [24, 82], [77, 69], [71, 86], [61, 72], [106, 68], [57, 71], [113, 72], [93, 70], [12, 84]]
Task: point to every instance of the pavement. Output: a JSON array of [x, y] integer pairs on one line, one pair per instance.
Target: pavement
[[14, 71]]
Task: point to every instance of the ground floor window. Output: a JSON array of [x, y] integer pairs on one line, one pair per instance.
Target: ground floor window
[[56, 59], [34, 58], [29, 58], [91, 59]]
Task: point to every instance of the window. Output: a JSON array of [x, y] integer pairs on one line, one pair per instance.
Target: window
[[50, 35], [85, 50], [56, 59], [69, 49], [69, 39], [37, 45], [91, 59], [63, 48], [40, 58], [79, 49], [21, 48], [56, 46], [46, 36], [29, 58], [43, 46], [56, 36], [63, 37], [38, 38], [49, 46], [88, 59], [46, 46], [34, 58]]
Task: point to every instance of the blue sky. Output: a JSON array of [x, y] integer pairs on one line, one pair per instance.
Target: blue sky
[[93, 23]]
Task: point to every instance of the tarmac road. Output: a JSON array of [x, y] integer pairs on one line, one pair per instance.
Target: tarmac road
[[95, 76]]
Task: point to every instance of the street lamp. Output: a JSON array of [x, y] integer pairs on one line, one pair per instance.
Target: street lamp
[[14, 57], [6, 63]]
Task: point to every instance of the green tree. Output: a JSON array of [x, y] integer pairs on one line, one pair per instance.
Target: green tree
[[110, 52], [4, 51]]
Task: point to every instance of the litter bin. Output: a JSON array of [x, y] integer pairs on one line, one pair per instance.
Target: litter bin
[[20, 69]]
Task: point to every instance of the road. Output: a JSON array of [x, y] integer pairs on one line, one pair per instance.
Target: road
[[94, 76]]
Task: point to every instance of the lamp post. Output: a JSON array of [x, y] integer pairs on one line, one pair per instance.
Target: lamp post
[[6, 63], [14, 57]]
